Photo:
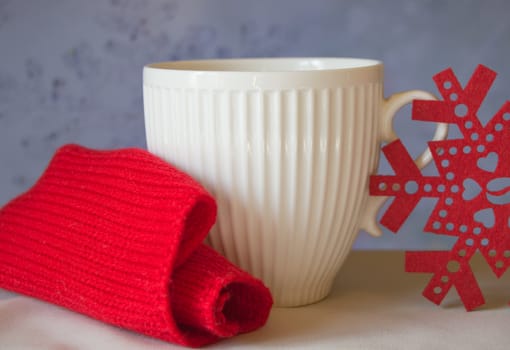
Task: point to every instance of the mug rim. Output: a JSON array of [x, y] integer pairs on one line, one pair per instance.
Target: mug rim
[[258, 65], [354, 71]]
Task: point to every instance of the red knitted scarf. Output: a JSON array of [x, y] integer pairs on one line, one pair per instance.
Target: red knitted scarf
[[116, 235]]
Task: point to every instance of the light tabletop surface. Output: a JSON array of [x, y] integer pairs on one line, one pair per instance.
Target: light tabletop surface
[[374, 305]]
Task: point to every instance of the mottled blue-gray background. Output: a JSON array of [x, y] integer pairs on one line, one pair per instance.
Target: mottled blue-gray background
[[70, 71]]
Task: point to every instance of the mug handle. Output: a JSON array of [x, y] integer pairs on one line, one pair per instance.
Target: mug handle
[[388, 134]]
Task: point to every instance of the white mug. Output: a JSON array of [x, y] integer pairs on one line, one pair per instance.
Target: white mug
[[286, 146]]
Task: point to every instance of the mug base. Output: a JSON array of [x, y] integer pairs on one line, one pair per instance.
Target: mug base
[[313, 296]]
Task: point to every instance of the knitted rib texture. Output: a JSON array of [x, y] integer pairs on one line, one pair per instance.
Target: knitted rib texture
[[116, 235]]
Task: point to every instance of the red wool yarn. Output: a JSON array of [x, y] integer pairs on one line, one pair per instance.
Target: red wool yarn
[[117, 235]]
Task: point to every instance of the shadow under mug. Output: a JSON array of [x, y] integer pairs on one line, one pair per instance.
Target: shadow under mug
[[286, 146]]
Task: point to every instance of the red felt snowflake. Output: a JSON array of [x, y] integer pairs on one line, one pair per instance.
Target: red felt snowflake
[[471, 188]]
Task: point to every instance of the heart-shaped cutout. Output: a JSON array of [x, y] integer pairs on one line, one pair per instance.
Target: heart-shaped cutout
[[486, 217], [471, 189], [488, 163]]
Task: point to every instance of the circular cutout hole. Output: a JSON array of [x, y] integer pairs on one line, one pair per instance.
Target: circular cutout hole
[[461, 110], [462, 253], [450, 226], [427, 187], [485, 242], [469, 242], [454, 188], [447, 84], [453, 266], [454, 97], [466, 149], [480, 148], [453, 150], [441, 188], [498, 127], [492, 253], [450, 176], [445, 279], [440, 151], [445, 163], [395, 187], [474, 136], [443, 213], [463, 228], [468, 124], [499, 264], [383, 186], [489, 138], [438, 290], [411, 187], [506, 253], [506, 116], [436, 225], [477, 230]]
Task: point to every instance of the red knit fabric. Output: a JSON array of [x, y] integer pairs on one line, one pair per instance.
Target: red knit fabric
[[117, 235]]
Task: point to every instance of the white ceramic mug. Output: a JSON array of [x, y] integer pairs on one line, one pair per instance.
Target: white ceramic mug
[[286, 146]]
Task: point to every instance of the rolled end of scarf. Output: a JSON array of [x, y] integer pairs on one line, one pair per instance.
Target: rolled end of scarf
[[211, 298]]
